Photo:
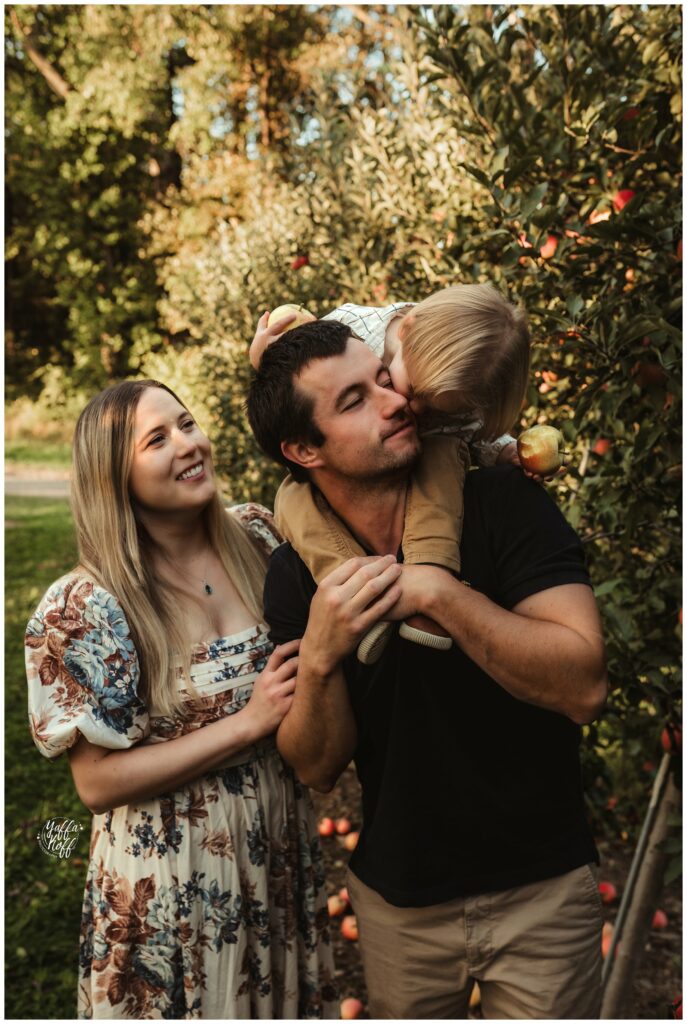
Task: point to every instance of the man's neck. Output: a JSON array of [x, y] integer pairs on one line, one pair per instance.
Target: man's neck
[[374, 511]]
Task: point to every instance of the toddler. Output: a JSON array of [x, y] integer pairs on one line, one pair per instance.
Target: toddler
[[461, 357]]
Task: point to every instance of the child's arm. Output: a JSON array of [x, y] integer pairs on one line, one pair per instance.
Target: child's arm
[[434, 509], [265, 335], [489, 453]]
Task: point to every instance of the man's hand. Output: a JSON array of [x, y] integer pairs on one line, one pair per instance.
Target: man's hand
[[348, 602], [416, 585]]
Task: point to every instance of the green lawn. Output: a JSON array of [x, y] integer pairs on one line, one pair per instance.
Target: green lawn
[[51, 454], [42, 894]]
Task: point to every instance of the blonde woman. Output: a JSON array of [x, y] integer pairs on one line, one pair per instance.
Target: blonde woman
[[150, 665]]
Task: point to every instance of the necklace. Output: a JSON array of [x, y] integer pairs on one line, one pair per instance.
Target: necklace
[[207, 587]]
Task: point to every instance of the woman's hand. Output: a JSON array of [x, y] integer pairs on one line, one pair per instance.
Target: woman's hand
[[273, 690], [265, 335]]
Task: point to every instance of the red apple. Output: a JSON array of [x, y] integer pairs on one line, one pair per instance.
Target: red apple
[[606, 937], [349, 928], [351, 840], [612, 803], [660, 920], [622, 198], [302, 315], [326, 827], [343, 893], [671, 739], [542, 450], [677, 1009], [351, 1008], [602, 446], [300, 261], [607, 892], [343, 826], [549, 247], [336, 906]]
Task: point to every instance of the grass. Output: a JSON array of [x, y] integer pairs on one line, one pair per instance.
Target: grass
[[53, 454], [42, 894]]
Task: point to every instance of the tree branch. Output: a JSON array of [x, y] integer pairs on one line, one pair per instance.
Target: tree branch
[[52, 77]]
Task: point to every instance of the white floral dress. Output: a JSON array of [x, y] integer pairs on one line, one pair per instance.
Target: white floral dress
[[207, 902]]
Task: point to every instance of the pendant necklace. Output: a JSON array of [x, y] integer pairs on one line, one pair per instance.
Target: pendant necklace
[[207, 587]]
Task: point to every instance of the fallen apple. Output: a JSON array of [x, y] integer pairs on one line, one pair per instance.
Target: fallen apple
[[660, 920], [542, 450], [326, 827], [351, 1008], [336, 906], [349, 928], [607, 892], [303, 316], [351, 840], [343, 826]]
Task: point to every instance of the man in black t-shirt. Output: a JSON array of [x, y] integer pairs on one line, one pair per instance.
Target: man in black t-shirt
[[474, 860]]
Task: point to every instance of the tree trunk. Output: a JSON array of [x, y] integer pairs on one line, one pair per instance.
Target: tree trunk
[[644, 901]]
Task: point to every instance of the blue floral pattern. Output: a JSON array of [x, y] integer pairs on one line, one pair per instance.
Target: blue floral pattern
[[205, 903]]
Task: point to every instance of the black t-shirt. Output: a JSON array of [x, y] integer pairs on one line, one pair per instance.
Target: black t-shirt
[[464, 788]]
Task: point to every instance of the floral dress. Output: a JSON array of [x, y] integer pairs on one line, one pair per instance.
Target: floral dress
[[207, 902]]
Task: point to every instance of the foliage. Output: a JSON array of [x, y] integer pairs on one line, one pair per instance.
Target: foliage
[[576, 140], [41, 933]]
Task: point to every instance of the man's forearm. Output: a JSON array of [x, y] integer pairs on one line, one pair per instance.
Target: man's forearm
[[317, 736], [536, 659]]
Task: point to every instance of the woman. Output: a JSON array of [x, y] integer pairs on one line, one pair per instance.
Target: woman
[[204, 897]]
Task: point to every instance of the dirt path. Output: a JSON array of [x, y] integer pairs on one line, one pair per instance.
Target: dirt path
[[24, 481]]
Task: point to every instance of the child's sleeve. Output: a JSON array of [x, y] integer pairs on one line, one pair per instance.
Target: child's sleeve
[[485, 453], [313, 530]]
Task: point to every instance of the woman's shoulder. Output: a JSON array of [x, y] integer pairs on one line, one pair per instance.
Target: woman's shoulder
[[77, 596], [259, 522]]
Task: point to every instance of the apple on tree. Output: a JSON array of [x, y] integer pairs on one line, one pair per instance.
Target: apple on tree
[[542, 450]]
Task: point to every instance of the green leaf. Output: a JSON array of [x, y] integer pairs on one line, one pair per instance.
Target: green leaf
[[533, 199]]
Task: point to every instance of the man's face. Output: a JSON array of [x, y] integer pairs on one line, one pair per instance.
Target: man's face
[[369, 429]]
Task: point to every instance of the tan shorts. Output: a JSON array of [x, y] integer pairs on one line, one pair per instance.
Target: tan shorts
[[535, 951]]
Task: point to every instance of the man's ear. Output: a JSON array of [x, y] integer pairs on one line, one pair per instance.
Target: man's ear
[[305, 455]]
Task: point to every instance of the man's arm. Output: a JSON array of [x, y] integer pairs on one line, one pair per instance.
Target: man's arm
[[547, 650], [317, 737]]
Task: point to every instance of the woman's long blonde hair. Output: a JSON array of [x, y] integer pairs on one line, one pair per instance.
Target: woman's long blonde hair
[[469, 339], [117, 552]]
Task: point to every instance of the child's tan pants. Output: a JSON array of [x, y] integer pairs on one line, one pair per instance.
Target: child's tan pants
[[433, 516]]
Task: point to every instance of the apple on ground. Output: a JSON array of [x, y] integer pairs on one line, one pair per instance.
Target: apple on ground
[[343, 826], [660, 920], [351, 840], [303, 316], [326, 827], [343, 893], [542, 450], [607, 892], [349, 928], [351, 1008], [336, 906]]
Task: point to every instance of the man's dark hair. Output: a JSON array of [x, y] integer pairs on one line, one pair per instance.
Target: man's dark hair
[[277, 409]]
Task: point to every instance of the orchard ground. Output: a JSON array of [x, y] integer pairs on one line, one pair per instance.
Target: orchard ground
[[658, 981]]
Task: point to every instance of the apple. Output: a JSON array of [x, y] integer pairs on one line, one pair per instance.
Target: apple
[[607, 892], [351, 1008], [677, 1008], [349, 928], [602, 446], [671, 739], [622, 198], [542, 450], [343, 826], [660, 920], [606, 937], [303, 316], [336, 906], [351, 840], [549, 247], [326, 827], [300, 261], [343, 893]]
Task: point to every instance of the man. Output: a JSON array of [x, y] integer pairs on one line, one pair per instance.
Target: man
[[474, 859]]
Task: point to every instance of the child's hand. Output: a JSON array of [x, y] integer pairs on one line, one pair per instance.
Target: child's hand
[[509, 454], [265, 335]]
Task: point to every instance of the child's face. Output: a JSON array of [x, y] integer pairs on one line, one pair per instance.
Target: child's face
[[399, 379]]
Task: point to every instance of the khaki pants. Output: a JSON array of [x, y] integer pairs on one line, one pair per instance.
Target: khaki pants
[[433, 516], [535, 951]]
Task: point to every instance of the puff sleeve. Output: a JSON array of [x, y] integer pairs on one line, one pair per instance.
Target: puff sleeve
[[82, 671], [260, 524]]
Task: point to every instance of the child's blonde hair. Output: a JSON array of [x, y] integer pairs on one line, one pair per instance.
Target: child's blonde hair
[[469, 339]]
